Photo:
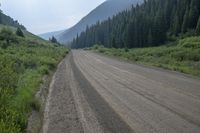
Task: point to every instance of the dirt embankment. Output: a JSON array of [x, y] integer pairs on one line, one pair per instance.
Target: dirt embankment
[[35, 121]]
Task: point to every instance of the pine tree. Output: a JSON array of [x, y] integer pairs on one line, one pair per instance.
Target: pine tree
[[198, 27], [185, 21], [176, 27], [193, 15], [114, 43], [161, 28], [150, 38], [53, 40], [146, 24]]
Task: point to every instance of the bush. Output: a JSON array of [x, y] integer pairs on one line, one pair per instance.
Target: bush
[[44, 70], [126, 49], [192, 42], [95, 46], [7, 36], [101, 50], [19, 32]]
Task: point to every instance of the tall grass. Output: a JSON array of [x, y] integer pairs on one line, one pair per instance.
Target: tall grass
[[182, 56], [22, 66]]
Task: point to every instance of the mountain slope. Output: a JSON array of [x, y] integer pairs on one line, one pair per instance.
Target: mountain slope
[[152, 23], [46, 36], [7, 20], [102, 12]]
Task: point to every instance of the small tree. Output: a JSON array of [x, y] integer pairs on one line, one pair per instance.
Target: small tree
[[19, 32]]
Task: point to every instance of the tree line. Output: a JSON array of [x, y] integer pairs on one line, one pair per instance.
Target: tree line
[[7, 20], [150, 24]]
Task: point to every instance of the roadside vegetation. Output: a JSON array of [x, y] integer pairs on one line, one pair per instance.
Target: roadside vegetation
[[182, 56], [24, 60]]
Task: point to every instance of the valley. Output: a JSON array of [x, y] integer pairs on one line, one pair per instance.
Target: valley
[[108, 66]]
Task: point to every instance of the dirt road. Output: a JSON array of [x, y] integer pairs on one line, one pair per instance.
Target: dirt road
[[91, 93]]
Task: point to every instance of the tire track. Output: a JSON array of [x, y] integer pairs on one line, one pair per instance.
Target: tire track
[[109, 79], [136, 88], [107, 117]]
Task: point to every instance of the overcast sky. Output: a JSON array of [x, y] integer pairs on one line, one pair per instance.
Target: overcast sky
[[40, 16]]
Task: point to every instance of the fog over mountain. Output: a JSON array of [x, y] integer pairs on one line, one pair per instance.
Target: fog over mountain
[[102, 12]]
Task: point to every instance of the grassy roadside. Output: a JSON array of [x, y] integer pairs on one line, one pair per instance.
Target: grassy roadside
[[182, 56], [22, 66]]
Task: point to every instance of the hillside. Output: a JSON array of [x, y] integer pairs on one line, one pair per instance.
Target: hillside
[[24, 60], [7, 20], [151, 24], [102, 12]]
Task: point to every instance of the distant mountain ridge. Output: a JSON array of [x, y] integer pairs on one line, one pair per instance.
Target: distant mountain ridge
[[102, 12], [48, 35]]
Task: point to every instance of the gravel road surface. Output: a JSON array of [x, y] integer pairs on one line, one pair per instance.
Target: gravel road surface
[[91, 93]]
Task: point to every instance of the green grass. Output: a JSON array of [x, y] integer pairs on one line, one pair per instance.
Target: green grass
[[182, 56], [22, 66]]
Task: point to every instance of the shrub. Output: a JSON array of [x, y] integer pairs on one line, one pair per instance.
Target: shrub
[[44, 69], [126, 49], [7, 36], [95, 46], [19, 32], [101, 50], [192, 42]]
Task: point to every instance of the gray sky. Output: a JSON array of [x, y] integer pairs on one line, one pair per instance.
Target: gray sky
[[40, 16]]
